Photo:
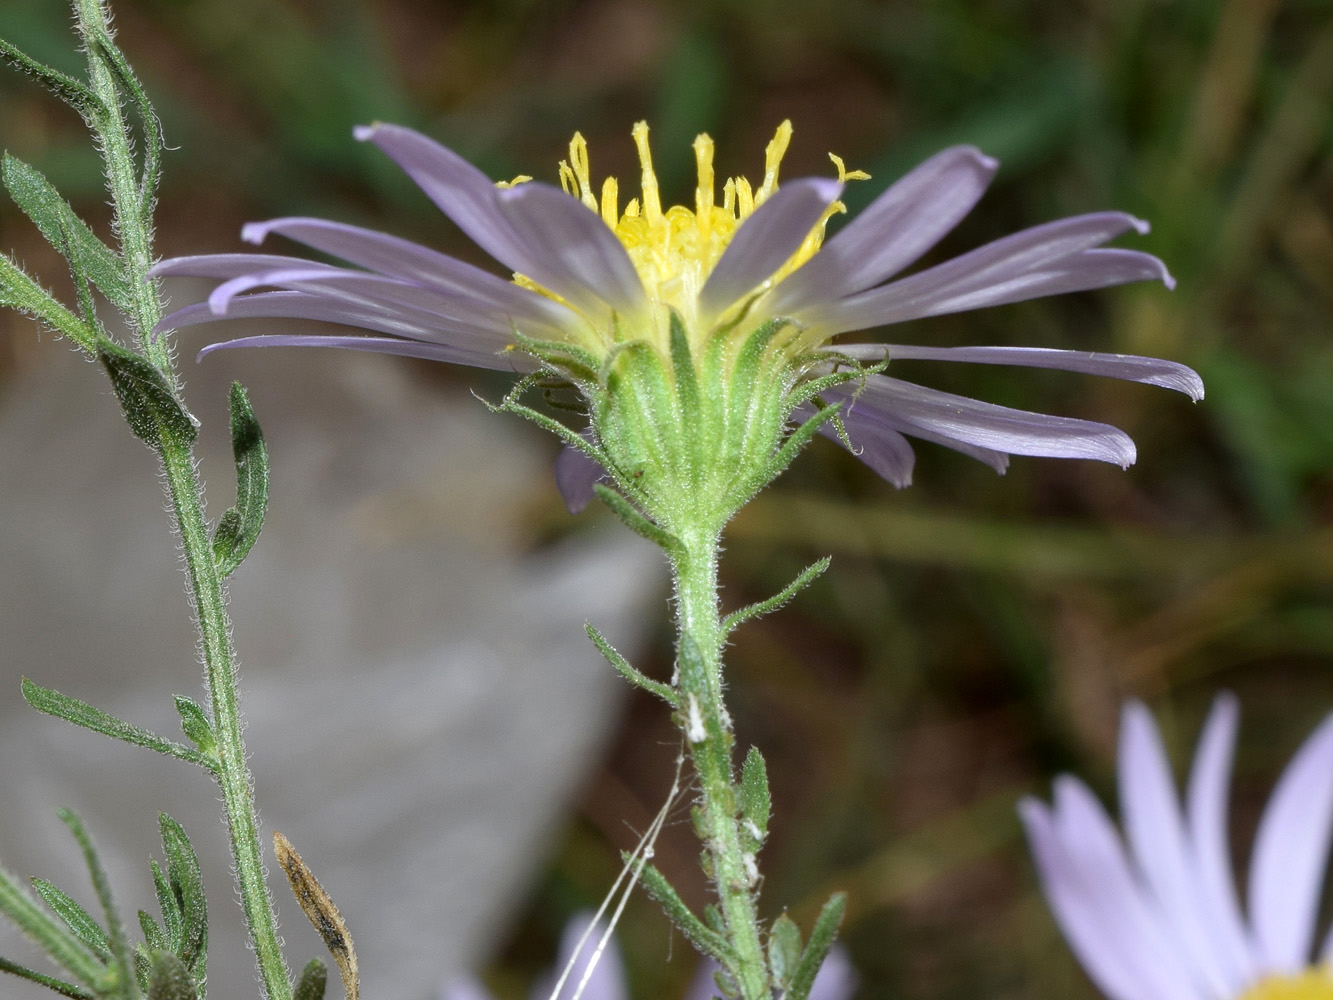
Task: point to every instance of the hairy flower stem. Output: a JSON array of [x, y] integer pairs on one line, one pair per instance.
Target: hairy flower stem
[[707, 727], [134, 226]]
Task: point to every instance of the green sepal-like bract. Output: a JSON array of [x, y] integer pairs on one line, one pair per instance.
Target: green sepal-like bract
[[196, 725], [150, 406], [784, 950], [180, 895], [169, 979], [240, 525], [756, 802]]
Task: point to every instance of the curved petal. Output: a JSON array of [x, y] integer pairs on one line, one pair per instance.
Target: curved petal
[[575, 476], [229, 265], [1155, 831], [909, 218], [1130, 367], [382, 345], [1206, 809], [766, 240], [412, 262], [878, 445], [915, 408], [573, 252], [1290, 855], [1044, 260], [460, 190]]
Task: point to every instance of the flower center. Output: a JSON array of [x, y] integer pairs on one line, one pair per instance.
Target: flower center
[[1313, 984], [674, 250]]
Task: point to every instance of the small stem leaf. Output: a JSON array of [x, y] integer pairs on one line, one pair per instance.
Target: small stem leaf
[[69, 234], [150, 406], [784, 950], [153, 140], [803, 580], [690, 665], [821, 939], [173, 921], [240, 525], [195, 725], [18, 291], [170, 979], [186, 882], [322, 913], [58, 985], [75, 917], [636, 521], [73, 92], [756, 803], [707, 941], [117, 942], [628, 671], [62, 706], [153, 935], [314, 978]]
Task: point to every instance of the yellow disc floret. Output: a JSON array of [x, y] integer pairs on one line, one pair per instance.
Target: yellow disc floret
[[675, 250], [1313, 984]]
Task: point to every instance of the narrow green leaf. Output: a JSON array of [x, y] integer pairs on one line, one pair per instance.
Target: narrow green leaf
[[150, 407], [628, 671], [756, 804], [821, 939], [73, 92], [58, 985], [803, 580], [173, 921], [62, 706], [240, 525], [196, 726], [118, 943], [635, 521], [314, 978], [187, 886], [153, 935], [784, 950], [707, 941], [69, 234], [143, 963], [170, 979], [151, 124], [75, 917], [19, 291], [60, 945]]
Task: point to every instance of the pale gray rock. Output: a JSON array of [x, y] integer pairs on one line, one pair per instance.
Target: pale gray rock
[[421, 699]]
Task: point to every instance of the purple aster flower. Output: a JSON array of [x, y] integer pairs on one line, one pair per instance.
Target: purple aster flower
[[593, 279], [1155, 916], [835, 980]]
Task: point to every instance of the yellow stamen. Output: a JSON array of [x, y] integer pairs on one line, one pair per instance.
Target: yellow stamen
[[652, 200], [773, 155], [1312, 984], [846, 175], [520, 179], [578, 158], [704, 199], [610, 201]]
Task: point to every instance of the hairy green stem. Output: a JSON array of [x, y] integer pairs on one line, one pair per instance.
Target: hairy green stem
[[133, 224], [707, 725]]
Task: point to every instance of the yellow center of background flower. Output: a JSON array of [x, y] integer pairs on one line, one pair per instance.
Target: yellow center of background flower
[[1313, 984]]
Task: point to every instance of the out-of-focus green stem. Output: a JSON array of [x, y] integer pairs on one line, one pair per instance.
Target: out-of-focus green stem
[[205, 580]]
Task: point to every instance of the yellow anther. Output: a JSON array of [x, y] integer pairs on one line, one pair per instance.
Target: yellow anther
[[773, 155], [745, 199], [703, 193], [578, 158], [610, 202], [729, 196], [520, 179], [652, 199], [846, 175], [632, 209], [567, 180]]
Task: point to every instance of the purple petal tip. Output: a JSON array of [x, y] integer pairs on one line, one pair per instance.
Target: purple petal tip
[[254, 232], [364, 133], [1141, 226]]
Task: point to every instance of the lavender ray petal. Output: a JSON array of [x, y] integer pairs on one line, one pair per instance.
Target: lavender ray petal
[[1156, 834], [1206, 811], [766, 240], [909, 218], [366, 291], [1100, 939], [1290, 855], [1131, 367], [575, 476], [573, 252], [915, 409], [398, 258], [229, 265], [462, 192], [463, 988], [1087, 834], [383, 345], [878, 445], [607, 981], [301, 305]]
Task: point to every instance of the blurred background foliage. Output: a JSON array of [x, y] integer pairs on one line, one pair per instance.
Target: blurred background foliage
[[976, 634]]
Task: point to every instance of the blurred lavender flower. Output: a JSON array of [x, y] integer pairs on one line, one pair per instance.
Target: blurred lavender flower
[[596, 278], [835, 981], [1158, 918]]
